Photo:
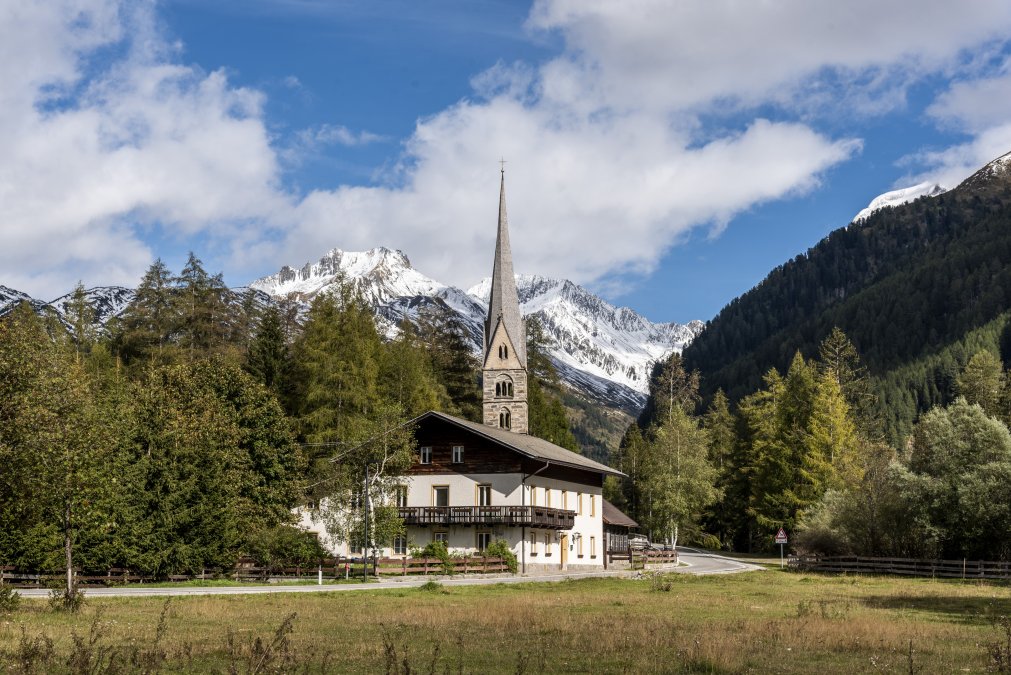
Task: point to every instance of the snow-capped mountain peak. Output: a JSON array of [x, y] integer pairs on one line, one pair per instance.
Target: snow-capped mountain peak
[[381, 274], [900, 196], [601, 349], [996, 170]]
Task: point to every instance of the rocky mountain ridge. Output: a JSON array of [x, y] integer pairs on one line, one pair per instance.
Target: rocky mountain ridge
[[602, 351]]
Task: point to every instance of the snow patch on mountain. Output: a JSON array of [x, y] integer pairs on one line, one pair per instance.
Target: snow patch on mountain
[[996, 170], [381, 274], [600, 349], [106, 301], [614, 344], [900, 196], [10, 298]]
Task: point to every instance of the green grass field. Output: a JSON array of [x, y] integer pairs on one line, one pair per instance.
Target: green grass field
[[767, 621]]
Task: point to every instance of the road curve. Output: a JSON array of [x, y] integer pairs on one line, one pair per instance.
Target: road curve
[[693, 562]]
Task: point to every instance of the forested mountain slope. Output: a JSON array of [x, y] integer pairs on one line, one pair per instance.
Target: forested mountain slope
[[908, 284]]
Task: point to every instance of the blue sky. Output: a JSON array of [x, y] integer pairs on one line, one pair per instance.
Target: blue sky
[[667, 155]]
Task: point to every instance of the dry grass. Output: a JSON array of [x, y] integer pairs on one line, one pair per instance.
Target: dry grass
[[758, 622]]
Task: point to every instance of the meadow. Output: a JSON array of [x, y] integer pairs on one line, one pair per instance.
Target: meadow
[[768, 621]]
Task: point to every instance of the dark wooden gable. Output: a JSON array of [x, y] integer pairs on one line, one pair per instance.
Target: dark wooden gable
[[480, 455], [483, 455]]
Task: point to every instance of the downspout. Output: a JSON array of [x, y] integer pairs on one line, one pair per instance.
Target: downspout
[[523, 502]]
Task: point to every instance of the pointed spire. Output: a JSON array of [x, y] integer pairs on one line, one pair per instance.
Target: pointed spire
[[504, 302]]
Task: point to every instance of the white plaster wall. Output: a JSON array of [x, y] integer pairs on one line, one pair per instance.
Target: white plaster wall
[[506, 490]]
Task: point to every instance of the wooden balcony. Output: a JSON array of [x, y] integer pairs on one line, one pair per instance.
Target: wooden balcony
[[529, 516]]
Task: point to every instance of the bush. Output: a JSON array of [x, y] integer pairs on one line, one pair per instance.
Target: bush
[[500, 549], [9, 600], [285, 546], [62, 601], [437, 549]]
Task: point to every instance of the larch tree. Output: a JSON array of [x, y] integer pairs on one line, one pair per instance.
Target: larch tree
[[677, 481], [353, 432], [54, 446], [982, 382]]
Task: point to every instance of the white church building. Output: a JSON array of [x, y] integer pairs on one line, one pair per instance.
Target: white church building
[[473, 483]]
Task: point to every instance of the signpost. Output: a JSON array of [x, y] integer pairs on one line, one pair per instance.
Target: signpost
[[781, 540]]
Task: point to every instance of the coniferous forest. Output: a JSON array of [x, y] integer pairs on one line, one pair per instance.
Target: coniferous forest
[[856, 397], [183, 434], [918, 288]]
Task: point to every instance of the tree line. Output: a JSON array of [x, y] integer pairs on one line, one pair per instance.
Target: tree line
[[807, 451], [186, 432]]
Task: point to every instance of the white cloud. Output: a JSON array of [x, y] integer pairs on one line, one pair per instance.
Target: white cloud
[[330, 134], [977, 107], [689, 53], [88, 159], [950, 166], [610, 160]]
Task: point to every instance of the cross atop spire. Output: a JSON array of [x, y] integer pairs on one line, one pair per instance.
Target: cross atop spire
[[502, 163]]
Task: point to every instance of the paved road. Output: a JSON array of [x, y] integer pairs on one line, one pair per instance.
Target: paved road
[[694, 562], [704, 562]]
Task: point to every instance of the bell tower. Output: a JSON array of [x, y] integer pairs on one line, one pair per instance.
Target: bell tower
[[505, 343]]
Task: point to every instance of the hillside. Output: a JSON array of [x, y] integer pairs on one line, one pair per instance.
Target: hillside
[[908, 284]]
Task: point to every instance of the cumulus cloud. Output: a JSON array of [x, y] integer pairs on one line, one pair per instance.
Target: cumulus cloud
[[978, 108], [700, 53], [95, 151], [611, 158]]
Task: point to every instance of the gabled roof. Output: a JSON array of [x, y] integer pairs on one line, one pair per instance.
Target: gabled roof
[[524, 444], [612, 515]]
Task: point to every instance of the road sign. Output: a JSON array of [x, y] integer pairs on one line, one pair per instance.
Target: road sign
[[781, 536]]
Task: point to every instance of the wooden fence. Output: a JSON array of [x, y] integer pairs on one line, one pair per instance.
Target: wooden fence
[[947, 569], [639, 558], [247, 570]]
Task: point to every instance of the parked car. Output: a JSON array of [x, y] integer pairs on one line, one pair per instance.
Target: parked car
[[638, 542]]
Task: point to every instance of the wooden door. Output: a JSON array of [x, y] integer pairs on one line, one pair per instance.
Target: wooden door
[[564, 550]]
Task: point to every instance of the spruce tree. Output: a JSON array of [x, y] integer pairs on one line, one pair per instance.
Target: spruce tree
[[547, 415], [206, 317], [450, 349], [267, 358], [149, 323]]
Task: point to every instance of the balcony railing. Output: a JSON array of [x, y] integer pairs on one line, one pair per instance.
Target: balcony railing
[[529, 516]]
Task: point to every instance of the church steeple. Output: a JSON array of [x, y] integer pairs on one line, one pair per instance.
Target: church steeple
[[505, 345], [504, 302]]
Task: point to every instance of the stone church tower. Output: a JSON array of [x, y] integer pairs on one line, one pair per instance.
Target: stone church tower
[[505, 341]]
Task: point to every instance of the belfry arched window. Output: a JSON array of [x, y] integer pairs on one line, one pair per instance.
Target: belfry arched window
[[505, 419], [504, 387]]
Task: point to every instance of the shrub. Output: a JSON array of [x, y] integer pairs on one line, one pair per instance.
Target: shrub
[[62, 601], [9, 600], [437, 549], [500, 549], [285, 546]]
